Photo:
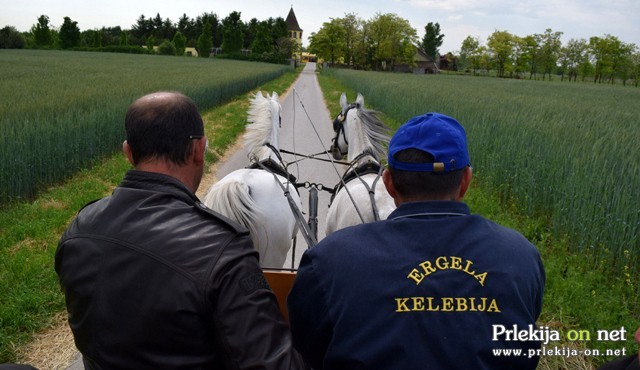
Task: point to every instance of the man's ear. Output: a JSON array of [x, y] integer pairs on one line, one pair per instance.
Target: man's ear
[[126, 149], [467, 174], [198, 151], [388, 183]]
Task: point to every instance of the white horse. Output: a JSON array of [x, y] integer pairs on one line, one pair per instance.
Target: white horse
[[255, 197], [363, 137]]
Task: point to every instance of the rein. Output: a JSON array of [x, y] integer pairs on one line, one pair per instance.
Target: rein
[[313, 156]]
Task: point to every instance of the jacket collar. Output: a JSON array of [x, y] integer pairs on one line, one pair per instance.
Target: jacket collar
[[157, 182], [430, 209]]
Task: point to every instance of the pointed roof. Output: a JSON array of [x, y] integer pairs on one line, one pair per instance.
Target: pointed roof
[[292, 21]]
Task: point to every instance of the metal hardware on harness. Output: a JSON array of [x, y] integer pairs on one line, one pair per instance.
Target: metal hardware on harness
[[304, 228], [313, 211]]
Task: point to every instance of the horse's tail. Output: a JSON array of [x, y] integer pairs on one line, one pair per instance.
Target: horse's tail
[[233, 200]]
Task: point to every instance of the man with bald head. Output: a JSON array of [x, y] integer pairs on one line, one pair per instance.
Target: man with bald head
[[155, 280]]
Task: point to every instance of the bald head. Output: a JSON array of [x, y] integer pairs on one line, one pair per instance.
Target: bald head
[[162, 125]]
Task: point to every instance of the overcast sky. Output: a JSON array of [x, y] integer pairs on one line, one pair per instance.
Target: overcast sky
[[457, 18]]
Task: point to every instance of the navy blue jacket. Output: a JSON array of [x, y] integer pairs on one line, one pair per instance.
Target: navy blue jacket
[[424, 289]]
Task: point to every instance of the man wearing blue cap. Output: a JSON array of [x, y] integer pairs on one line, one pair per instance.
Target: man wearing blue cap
[[431, 287]]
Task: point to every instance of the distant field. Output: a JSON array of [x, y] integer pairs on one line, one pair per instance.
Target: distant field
[[565, 151], [60, 111]]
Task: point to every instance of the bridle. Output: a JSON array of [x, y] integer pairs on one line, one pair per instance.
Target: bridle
[[338, 127]]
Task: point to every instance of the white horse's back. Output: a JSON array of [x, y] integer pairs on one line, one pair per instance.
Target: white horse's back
[[252, 196], [254, 199], [343, 213]]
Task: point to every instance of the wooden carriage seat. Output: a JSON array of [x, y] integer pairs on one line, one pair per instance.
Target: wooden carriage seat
[[281, 283]]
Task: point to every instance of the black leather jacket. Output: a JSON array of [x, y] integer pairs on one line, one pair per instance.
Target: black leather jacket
[[155, 280]]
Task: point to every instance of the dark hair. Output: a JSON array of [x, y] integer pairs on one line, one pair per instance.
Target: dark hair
[[423, 185], [162, 125]]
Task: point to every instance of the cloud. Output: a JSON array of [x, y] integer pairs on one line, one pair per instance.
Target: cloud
[[448, 6]]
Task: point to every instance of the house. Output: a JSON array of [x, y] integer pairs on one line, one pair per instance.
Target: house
[[448, 62], [423, 64]]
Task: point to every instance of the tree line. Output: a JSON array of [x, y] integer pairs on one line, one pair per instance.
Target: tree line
[[605, 59], [387, 40], [267, 39]]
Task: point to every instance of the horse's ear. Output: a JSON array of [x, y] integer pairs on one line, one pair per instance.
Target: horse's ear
[[343, 101], [274, 96], [360, 100]]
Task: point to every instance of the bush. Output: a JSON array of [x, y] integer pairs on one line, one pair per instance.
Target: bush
[[167, 48]]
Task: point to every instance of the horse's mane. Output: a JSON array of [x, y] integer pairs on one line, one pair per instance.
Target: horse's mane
[[376, 131], [260, 125]]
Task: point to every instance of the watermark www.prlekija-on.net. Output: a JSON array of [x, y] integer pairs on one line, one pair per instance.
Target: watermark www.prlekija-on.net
[[547, 336]]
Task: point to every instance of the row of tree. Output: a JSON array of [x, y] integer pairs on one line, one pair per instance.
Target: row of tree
[[379, 43], [387, 40], [206, 32], [606, 59]]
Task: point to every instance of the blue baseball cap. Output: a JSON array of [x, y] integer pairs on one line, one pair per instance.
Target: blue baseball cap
[[439, 135]]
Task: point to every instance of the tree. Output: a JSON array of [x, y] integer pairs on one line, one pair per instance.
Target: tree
[[205, 41], [151, 43], [10, 38], [69, 34], [216, 27], [279, 30], [501, 44], [572, 56], [635, 67], [520, 56], [352, 32], [602, 51], [432, 40], [180, 43], [550, 46], [530, 46], [42, 37], [232, 40], [167, 30], [392, 40], [91, 38], [621, 53], [328, 42], [143, 28], [468, 49], [262, 42], [187, 27], [158, 29], [124, 38], [97, 39], [251, 32]]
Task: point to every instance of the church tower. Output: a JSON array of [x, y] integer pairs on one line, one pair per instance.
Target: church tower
[[295, 34]]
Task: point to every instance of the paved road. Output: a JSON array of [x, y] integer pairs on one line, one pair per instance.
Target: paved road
[[303, 109]]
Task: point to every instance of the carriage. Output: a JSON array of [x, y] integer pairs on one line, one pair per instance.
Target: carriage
[[264, 196]]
